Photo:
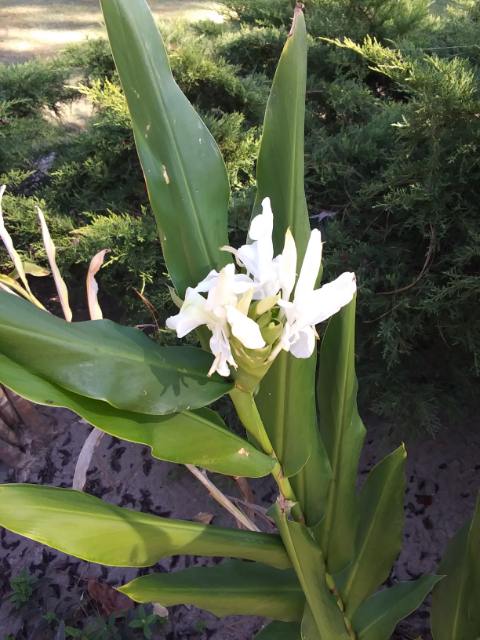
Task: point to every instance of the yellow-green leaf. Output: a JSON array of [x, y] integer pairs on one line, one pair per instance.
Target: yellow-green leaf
[[232, 588], [96, 531]]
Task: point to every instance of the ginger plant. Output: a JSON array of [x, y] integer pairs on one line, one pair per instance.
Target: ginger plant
[[255, 310]]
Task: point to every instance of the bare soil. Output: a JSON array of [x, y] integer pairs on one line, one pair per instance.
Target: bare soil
[[44, 27]]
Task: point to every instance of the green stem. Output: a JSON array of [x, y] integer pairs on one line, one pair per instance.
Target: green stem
[[250, 417]]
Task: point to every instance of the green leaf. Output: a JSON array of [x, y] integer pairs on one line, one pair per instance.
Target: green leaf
[[326, 620], [103, 360], [379, 534], [96, 531], [280, 631], [184, 171], [280, 166], [290, 381], [343, 433], [455, 604], [191, 437], [232, 588], [377, 618]]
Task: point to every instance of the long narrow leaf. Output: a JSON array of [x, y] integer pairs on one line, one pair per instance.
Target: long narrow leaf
[[280, 175], [325, 619], [93, 530], [191, 437], [379, 615], [455, 604], [379, 536], [103, 360], [343, 433], [240, 588], [185, 174]]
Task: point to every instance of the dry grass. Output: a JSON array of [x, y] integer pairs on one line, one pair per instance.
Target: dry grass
[[44, 27]]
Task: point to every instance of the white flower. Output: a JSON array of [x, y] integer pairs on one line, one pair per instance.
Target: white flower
[[269, 281], [223, 311], [257, 256], [310, 306]]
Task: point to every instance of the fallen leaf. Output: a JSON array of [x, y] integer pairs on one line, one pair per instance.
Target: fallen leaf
[[109, 599]]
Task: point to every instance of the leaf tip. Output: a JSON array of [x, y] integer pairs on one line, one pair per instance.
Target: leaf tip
[[298, 11]]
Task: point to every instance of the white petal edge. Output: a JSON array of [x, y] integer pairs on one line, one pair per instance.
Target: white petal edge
[[310, 267], [287, 266], [261, 226], [304, 345], [330, 298], [192, 314]]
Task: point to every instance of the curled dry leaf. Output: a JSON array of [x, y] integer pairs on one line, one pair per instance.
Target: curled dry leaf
[[59, 281], [203, 517], [92, 285], [85, 458], [109, 599], [8, 242]]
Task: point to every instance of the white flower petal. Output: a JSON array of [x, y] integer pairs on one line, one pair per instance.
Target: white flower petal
[[207, 283], [192, 314], [242, 284], [248, 256], [261, 226], [220, 347], [245, 329], [330, 298], [310, 267], [287, 266], [222, 292], [304, 344]]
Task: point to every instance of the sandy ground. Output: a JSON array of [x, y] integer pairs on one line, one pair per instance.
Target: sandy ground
[[45, 27]]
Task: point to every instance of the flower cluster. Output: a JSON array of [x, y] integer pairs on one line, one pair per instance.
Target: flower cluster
[[267, 308]]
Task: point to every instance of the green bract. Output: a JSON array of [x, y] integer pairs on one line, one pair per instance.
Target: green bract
[[321, 576]]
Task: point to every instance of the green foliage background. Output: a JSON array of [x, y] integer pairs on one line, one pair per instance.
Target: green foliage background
[[392, 172]]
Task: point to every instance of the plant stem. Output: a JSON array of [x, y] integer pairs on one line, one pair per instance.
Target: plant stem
[[250, 417]]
